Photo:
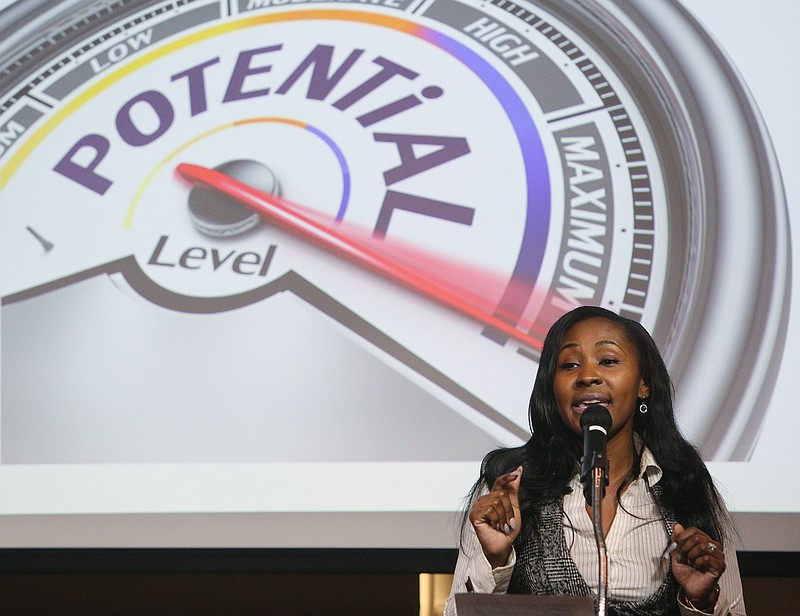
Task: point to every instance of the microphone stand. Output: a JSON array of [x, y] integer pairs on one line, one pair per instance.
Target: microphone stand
[[598, 489]]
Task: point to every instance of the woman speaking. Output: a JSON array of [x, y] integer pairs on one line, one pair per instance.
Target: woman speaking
[[529, 528]]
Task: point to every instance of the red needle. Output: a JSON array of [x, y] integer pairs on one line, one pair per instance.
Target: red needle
[[279, 212]]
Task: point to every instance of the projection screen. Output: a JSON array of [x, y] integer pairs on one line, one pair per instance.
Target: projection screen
[[189, 361]]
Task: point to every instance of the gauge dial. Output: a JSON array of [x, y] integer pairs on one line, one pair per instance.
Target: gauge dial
[[530, 157]]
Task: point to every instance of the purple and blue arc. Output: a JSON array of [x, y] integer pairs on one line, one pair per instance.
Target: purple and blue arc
[[537, 218], [342, 166], [337, 152]]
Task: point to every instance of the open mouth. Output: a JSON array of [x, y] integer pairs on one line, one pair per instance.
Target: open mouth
[[582, 403]]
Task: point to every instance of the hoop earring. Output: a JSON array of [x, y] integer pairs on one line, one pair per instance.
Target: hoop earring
[[643, 408]]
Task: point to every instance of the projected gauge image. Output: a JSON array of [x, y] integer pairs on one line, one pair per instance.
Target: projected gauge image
[[324, 231]]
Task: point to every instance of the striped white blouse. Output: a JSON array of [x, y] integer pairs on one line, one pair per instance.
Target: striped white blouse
[[635, 543]]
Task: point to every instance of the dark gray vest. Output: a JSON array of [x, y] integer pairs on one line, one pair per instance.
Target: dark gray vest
[[545, 567]]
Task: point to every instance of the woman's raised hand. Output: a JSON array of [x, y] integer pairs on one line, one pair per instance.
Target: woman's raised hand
[[697, 564], [496, 518]]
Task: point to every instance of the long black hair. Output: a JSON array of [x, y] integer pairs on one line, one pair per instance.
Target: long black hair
[[551, 456]]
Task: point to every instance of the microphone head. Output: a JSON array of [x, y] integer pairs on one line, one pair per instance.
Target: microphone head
[[596, 415]]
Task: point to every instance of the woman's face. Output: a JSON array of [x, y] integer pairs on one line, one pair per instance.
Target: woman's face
[[598, 364]]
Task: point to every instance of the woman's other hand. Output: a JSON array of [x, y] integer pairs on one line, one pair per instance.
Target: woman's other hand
[[697, 564], [496, 518]]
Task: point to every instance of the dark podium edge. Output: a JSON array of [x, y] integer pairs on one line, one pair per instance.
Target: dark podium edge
[[523, 605]]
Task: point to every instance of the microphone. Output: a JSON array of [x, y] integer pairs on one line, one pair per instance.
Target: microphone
[[596, 422]]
